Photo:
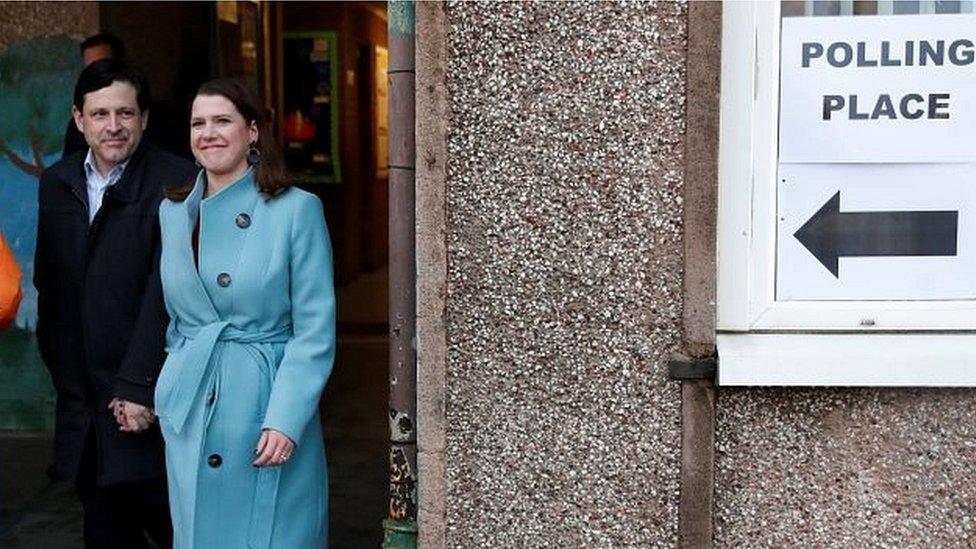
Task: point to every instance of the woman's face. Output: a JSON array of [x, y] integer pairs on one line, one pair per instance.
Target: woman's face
[[219, 135]]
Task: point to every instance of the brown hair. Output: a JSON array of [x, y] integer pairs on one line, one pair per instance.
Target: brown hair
[[270, 171]]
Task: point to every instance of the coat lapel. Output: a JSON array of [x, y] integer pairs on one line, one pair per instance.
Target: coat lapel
[[129, 186], [76, 180], [190, 208], [127, 189], [226, 221]]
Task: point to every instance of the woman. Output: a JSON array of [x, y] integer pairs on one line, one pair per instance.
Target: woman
[[247, 278]]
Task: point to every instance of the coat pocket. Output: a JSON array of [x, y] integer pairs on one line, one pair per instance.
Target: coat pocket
[[263, 511]]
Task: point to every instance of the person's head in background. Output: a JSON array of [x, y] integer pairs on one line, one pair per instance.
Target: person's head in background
[[102, 46]]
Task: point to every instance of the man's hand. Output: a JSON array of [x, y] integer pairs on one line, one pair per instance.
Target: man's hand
[[131, 417]]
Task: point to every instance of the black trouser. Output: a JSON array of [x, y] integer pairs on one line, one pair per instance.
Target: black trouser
[[120, 516]]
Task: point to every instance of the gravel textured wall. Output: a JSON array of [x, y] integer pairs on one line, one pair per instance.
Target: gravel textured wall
[[564, 293], [846, 468], [20, 21], [564, 273]]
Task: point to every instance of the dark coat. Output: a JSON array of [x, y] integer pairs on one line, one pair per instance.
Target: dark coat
[[101, 319]]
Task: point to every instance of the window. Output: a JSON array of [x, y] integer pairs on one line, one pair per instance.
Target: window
[[847, 212]]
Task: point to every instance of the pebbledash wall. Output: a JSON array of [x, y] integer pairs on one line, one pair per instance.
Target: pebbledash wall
[[846, 468], [565, 176], [564, 272]]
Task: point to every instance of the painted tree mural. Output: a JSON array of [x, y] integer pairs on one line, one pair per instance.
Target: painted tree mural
[[37, 79], [36, 83]]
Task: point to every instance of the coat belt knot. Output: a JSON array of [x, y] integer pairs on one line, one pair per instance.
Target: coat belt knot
[[180, 388]]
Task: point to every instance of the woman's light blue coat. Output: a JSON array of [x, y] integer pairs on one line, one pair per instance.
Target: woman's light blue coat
[[251, 342]]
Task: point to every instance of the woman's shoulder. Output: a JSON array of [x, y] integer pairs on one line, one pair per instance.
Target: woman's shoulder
[[167, 207], [295, 201], [176, 194]]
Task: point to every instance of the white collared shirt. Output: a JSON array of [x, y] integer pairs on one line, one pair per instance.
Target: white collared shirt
[[97, 184]]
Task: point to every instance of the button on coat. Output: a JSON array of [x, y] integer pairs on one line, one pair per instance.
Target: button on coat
[[243, 220]]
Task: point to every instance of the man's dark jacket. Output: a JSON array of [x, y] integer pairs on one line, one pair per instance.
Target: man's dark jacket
[[101, 318]]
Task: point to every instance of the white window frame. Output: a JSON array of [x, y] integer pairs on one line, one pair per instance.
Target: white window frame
[[748, 314]]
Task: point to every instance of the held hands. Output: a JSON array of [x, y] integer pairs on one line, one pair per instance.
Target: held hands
[[131, 417], [274, 448]]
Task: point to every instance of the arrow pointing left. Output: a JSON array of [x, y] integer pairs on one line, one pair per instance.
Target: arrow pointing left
[[831, 234]]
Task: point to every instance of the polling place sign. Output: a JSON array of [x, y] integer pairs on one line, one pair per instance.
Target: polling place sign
[[847, 209], [879, 89], [876, 186]]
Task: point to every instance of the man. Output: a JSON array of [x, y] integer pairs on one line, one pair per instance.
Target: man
[[165, 131], [103, 45], [94, 48], [101, 319]]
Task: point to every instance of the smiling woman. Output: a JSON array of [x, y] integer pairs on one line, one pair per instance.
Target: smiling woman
[[229, 131], [251, 342], [39, 67], [220, 139]]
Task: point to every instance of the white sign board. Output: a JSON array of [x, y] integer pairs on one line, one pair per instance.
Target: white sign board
[[876, 232], [882, 89], [876, 194], [846, 244]]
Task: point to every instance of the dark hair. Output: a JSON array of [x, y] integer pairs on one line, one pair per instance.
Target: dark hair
[[270, 171], [102, 73], [105, 39]]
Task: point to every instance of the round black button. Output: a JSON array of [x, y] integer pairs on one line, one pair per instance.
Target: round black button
[[215, 460], [243, 220], [223, 279]]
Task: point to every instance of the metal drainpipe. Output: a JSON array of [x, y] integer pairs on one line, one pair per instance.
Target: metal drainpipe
[[400, 528]]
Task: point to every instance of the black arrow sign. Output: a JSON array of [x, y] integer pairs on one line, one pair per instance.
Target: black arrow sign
[[830, 234]]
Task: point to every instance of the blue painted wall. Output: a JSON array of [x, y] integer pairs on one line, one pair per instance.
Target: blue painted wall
[[36, 82]]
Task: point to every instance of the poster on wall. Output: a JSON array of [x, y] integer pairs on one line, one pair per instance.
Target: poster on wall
[[878, 89], [310, 113], [37, 77], [875, 200]]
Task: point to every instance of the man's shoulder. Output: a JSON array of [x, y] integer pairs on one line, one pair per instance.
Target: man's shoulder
[[69, 167], [168, 162], [167, 168]]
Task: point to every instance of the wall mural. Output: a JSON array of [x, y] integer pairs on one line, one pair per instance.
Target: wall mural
[[37, 78]]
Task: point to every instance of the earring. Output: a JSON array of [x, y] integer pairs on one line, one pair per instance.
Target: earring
[[253, 155]]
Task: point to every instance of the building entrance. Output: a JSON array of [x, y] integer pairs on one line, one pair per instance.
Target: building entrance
[[320, 69]]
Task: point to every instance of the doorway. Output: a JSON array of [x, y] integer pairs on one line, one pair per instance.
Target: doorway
[[344, 164]]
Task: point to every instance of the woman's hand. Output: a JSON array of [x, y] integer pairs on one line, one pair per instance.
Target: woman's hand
[[274, 448], [131, 417]]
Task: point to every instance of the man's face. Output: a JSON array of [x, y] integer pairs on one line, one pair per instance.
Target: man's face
[[112, 123], [96, 53]]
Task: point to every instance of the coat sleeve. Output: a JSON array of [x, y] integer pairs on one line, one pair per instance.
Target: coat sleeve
[[308, 355], [144, 358], [42, 274]]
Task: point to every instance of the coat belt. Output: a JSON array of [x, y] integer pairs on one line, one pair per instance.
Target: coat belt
[[176, 397]]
